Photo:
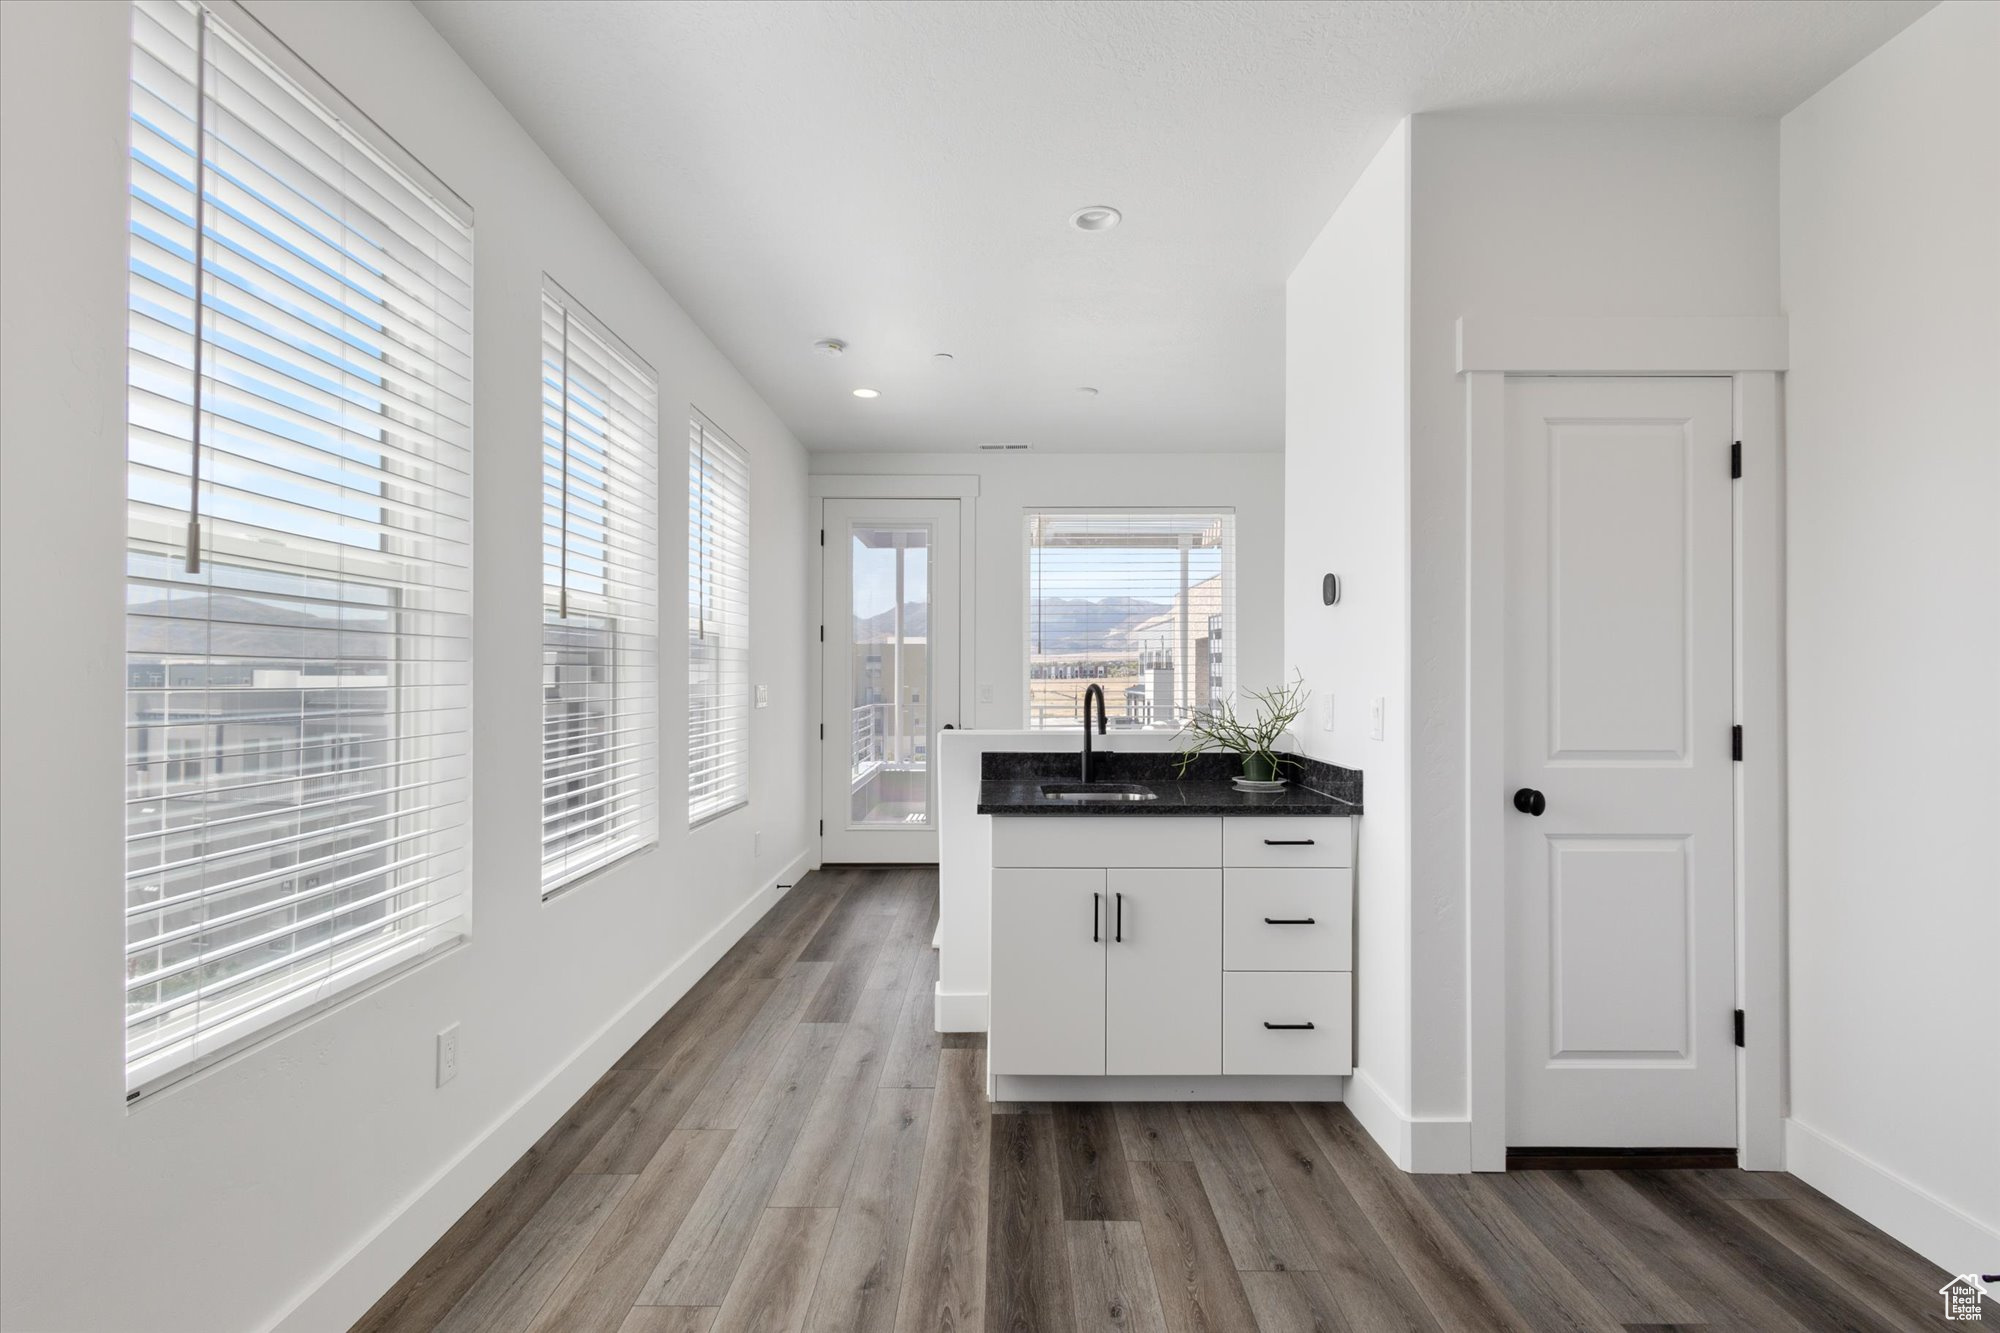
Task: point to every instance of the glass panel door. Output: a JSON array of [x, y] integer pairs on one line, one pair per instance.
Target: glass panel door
[[890, 581]]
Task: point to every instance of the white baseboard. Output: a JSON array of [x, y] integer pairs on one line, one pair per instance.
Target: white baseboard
[[1206, 1088], [359, 1278], [1953, 1240], [959, 1011], [1421, 1145]]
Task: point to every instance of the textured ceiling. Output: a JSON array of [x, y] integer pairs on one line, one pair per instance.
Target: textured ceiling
[[899, 175]]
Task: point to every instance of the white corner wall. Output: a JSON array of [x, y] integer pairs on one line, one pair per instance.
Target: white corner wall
[[1533, 215], [1890, 208], [1010, 485], [1347, 512], [296, 1182]]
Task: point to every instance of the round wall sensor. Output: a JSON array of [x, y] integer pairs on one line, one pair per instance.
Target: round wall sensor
[[942, 358], [1087, 391], [1329, 589], [1096, 217]]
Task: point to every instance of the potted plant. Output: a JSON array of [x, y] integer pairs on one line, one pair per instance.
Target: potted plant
[[1254, 741]]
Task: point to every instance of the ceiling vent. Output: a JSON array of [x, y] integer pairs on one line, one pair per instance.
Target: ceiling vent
[[1005, 448]]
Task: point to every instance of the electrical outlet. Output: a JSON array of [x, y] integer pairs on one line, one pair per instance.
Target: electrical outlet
[[447, 1055], [756, 842], [763, 696], [986, 694], [1377, 710], [1326, 713]]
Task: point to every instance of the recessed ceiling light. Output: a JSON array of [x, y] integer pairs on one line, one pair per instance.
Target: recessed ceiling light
[[1097, 217], [867, 393], [1087, 391], [829, 347]]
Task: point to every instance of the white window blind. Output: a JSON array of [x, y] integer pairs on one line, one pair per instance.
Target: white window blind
[[600, 593], [718, 622], [299, 510], [1142, 602]]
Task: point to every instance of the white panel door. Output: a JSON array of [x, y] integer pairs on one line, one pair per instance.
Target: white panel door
[[1163, 973], [1620, 899], [1046, 997], [889, 602]]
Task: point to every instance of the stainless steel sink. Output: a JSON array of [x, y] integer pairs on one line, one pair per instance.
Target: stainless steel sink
[[1097, 791]]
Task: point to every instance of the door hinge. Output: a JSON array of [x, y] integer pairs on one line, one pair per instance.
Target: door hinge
[[1735, 470], [1736, 742], [822, 828], [822, 531], [822, 634], [1739, 1027], [822, 731]]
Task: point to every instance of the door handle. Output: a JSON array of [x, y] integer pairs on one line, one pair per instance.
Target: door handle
[[1530, 802], [1289, 1027], [1096, 912], [1119, 936], [1289, 921]]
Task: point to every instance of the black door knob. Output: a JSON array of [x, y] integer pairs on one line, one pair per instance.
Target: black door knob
[[1529, 801]]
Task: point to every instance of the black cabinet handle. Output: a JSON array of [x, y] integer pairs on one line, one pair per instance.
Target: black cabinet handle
[[1096, 912], [1289, 1027], [1289, 921], [1288, 842], [1119, 937], [1530, 802]]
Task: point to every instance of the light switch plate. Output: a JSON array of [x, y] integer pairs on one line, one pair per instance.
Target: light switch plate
[[1326, 713], [763, 696], [986, 694], [1376, 712]]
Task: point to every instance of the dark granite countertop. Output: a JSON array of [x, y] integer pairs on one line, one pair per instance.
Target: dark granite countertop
[[1011, 784]]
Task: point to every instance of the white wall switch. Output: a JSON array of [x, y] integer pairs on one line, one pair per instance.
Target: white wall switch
[[1377, 709], [1326, 713], [986, 694], [447, 1055], [763, 696], [756, 842]]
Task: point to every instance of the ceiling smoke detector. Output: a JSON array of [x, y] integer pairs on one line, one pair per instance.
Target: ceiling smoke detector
[[1096, 217], [1087, 390], [829, 347]]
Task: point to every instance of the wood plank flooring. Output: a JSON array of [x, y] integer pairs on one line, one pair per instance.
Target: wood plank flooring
[[793, 1149]]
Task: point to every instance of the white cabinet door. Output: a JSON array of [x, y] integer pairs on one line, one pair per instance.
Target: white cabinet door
[[1047, 989], [1163, 973]]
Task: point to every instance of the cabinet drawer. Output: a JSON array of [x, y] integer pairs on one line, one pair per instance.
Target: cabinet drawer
[[1295, 841], [1140, 841], [1289, 920], [1250, 1000]]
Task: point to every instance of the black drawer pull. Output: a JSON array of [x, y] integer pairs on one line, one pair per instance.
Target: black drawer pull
[[1096, 914], [1289, 1027], [1288, 842], [1290, 921]]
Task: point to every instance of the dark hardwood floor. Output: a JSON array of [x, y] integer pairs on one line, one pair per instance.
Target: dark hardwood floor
[[793, 1147]]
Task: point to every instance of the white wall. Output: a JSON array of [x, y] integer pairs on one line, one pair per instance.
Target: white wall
[[225, 1200], [1533, 215], [1347, 512], [1012, 484], [1890, 210]]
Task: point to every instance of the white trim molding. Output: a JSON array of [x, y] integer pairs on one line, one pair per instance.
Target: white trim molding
[[1145, 1088], [1418, 1144], [357, 1278], [1749, 351], [1953, 1240], [1601, 345], [957, 1011]]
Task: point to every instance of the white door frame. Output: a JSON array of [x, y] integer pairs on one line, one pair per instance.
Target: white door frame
[[1751, 352], [850, 486]]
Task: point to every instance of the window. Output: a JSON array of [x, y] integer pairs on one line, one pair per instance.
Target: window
[[718, 623], [298, 561], [1138, 601], [600, 587]]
